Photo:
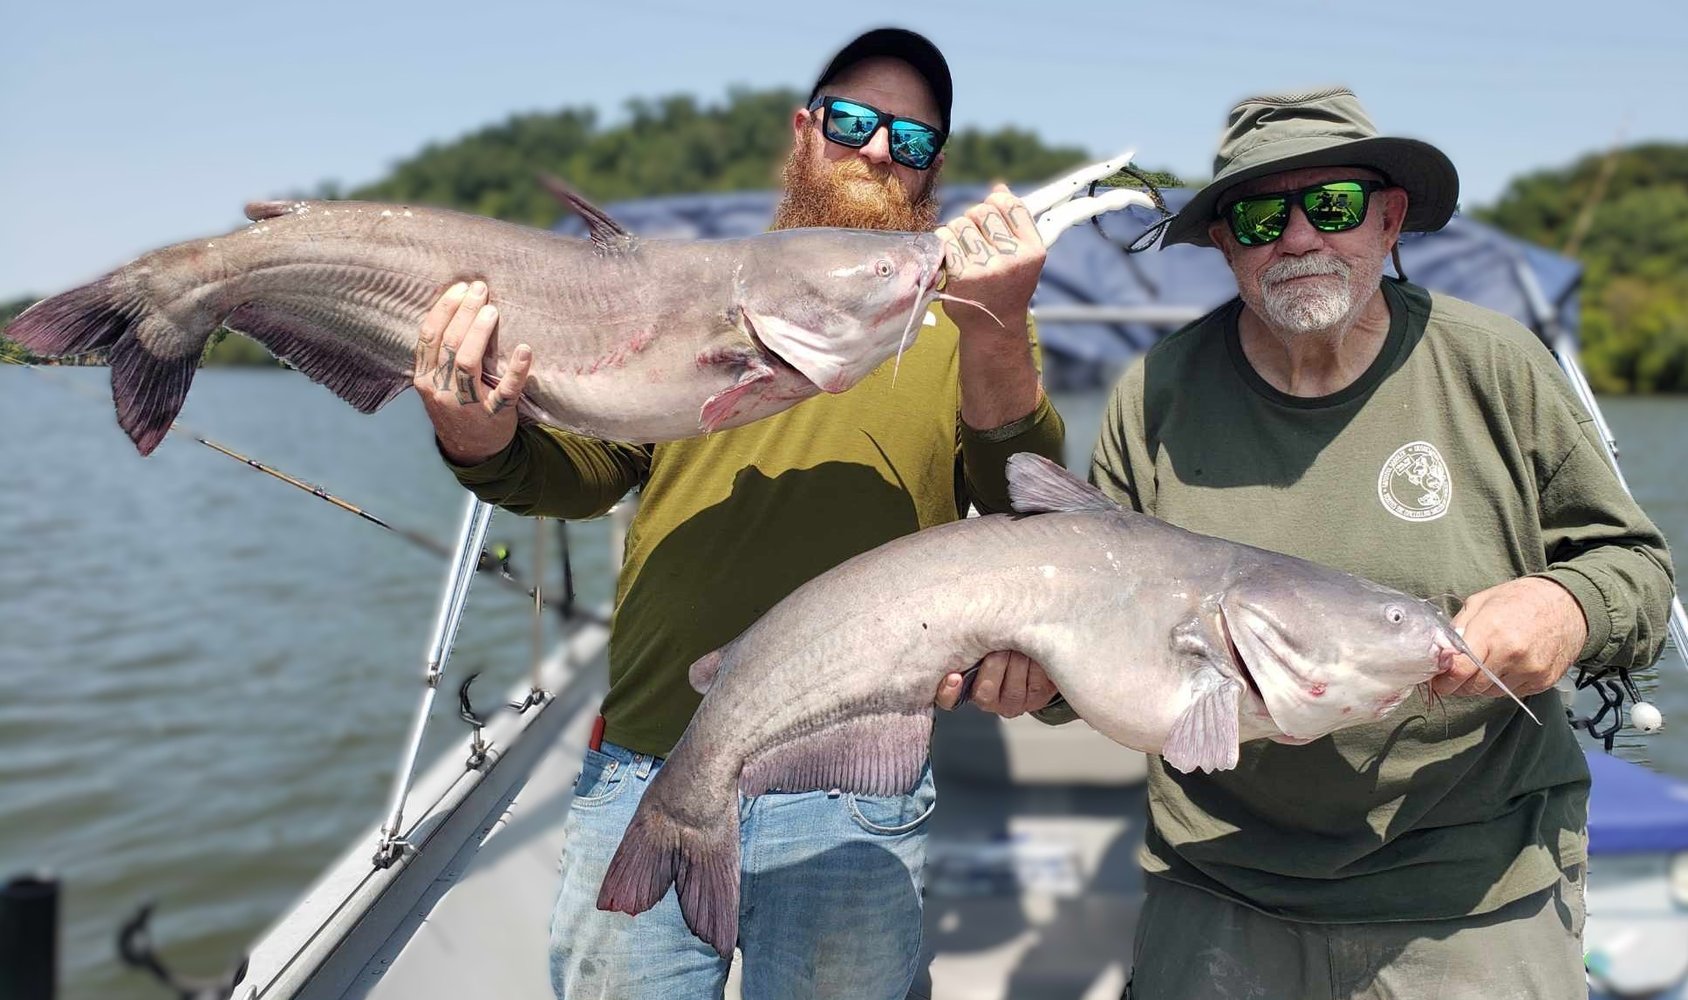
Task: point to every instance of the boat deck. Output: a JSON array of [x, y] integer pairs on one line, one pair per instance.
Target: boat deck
[[1032, 887]]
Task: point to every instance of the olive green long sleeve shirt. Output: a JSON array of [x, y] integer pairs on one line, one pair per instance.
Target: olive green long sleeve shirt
[[1458, 461]]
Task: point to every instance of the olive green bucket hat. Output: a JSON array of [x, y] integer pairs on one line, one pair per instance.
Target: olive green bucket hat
[[1320, 128]]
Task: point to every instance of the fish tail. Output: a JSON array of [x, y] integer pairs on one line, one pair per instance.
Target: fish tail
[[152, 358], [700, 861]]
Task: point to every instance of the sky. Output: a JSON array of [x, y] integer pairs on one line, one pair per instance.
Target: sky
[[130, 126]]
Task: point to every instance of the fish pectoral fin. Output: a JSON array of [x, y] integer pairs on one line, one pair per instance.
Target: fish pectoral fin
[[1206, 735], [880, 754], [1038, 486], [724, 405]]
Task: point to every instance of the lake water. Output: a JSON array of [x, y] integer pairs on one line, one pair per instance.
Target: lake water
[[206, 675]]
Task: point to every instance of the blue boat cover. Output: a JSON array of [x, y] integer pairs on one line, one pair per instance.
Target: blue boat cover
[[1467, 259], [1633, 809]]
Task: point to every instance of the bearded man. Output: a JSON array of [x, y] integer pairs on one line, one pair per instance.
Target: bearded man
[[1360, 421], [731, 523]]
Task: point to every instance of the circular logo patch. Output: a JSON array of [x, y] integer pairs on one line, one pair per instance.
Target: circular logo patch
[[1414, 484]]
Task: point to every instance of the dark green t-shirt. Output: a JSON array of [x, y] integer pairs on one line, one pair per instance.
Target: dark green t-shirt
[[1457, 461], [730, 523]]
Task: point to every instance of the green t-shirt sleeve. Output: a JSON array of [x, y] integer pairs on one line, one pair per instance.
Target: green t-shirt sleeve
[[985, 454], [1119, 442], [1604, 550], [547, 472]]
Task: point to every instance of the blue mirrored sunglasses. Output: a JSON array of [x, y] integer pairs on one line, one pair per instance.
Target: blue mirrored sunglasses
[[851, 123]]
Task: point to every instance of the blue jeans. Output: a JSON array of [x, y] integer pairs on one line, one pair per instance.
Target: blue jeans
[[829, 897]]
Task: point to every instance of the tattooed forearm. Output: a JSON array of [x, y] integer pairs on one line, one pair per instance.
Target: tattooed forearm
[[997, 230], [442, 374], [466, 392]]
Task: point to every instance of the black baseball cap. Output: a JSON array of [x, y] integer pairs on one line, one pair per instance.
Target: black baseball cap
[[895, 43]]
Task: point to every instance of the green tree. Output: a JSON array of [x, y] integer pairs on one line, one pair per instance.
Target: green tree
[[1633, 245], [669, 145], [10, 352]]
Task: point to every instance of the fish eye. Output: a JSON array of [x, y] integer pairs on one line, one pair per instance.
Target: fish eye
[[1395, 615], [882, 268]]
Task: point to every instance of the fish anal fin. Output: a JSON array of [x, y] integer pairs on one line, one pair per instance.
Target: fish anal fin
[[726, 404], [1037, 486], [343, 364], [880, 754], [607, 233], [1206, 734]]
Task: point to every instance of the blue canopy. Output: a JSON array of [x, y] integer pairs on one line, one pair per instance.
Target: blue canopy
[[1086, 268], [1632, 809]]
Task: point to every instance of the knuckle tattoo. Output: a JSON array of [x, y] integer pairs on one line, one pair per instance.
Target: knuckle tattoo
[[442, 374], [466, 388]]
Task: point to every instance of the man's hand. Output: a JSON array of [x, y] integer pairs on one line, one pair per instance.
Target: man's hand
[[458, 334], [994, 257], [1528, 631], [1007, 684]]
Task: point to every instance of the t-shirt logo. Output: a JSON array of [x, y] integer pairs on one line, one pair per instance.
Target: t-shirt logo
[[1414, 484]]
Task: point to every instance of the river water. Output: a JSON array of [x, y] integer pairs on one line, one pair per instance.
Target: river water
[[206, 676]]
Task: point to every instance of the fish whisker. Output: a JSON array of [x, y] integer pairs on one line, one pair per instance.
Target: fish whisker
[[970, 302], [920, 303]]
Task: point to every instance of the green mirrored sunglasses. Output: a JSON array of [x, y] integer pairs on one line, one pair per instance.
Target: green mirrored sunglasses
[[1332, 207]]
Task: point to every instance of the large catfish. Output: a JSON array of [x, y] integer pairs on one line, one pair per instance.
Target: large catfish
[[1163, 640], [637, 340]]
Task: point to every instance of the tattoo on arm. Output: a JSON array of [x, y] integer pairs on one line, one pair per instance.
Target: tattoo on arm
[[466, 388], [997, 229], [442, 374]]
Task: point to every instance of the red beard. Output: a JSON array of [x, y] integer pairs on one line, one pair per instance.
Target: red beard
[[852, 194]]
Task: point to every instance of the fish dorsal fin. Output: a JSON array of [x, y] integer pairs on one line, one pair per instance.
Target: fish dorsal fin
[[1038, 486], [606, 232]]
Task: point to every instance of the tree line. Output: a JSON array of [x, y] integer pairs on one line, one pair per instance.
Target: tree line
[[1623, 215]]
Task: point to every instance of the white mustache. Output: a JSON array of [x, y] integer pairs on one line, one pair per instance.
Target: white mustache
[[1304, 267]]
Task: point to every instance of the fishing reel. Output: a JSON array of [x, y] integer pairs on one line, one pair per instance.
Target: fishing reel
[[1642, 714]]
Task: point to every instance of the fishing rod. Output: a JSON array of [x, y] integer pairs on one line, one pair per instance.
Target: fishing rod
[[1560, 342], [495, 562]]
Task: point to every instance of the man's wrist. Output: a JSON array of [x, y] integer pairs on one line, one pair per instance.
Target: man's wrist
[[469, 459]]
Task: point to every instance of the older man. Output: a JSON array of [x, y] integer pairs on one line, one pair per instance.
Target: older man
[[729, 524], [1360, 421]]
